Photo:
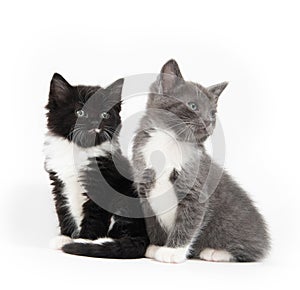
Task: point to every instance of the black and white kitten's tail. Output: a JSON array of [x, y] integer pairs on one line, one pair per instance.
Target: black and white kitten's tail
[[123, 248]]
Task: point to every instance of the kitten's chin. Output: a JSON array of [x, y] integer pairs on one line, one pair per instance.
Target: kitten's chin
[[91, 138]]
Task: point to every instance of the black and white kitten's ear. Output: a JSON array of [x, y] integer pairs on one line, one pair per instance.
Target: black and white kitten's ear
[[60, 89], [217, 89], [170, 75], [115, 90]]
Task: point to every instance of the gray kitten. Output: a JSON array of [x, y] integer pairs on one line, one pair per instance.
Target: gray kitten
[[193, 208]]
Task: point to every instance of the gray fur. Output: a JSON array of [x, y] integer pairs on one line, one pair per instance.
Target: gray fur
[[226, 219]]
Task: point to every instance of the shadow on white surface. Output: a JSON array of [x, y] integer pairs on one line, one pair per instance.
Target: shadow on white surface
[[30, 216]]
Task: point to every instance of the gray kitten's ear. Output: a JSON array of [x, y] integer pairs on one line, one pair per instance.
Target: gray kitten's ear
[[60, 89], [217, 89], [171, 67], [170, 74]]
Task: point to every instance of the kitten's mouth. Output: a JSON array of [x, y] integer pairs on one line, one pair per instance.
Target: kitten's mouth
[[95, 130]]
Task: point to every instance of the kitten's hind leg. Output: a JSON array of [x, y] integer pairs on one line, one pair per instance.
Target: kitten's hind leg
[[214, 255], [58, 242]]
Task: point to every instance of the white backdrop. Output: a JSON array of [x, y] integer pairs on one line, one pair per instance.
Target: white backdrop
[[252, 44]]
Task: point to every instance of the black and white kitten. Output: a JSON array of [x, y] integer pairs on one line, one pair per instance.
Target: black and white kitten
[[84, 160], [193, 208]]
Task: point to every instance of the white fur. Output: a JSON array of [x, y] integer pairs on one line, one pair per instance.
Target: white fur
[[151, 250], [175, 154], [166, 254], [99, 241], [58, 242], [112, 222], [67, 159], [215, 255]]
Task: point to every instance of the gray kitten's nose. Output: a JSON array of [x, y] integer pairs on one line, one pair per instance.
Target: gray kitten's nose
[[204, 124], [207, 123]]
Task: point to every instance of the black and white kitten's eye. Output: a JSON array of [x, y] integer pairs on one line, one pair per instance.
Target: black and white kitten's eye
[[81, 113], [192, 106], [105, 115]]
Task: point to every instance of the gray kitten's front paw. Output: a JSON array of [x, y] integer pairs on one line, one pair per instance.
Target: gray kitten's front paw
[[151, 250], [146, 181], [166, 254], [171, 255]]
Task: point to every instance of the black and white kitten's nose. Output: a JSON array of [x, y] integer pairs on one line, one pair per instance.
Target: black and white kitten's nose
[[95, 124]]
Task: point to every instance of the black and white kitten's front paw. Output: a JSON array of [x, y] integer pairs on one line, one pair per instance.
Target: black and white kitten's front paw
[[166, 254], [58, 242]]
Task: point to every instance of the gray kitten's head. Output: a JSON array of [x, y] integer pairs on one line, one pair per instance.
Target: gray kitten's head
[[188, 108]]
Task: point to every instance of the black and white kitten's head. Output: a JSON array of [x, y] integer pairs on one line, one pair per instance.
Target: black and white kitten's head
[[85, 115], [189, 103]]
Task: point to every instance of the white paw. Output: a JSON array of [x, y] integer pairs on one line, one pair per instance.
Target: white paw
[[213, 255], [58, 242], [170, 255], [151, 250]]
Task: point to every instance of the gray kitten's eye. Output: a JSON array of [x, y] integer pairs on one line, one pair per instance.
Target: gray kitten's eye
[[105, 115], [213, 113], [81, 113], [192, 106]]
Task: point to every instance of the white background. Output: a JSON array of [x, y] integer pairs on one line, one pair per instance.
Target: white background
[[252, 44]]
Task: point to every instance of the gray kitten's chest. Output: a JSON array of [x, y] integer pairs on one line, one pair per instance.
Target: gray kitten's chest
[[166, 156]]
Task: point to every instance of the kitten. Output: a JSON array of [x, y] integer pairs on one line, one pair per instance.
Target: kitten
[[85, 163], [193, 208]]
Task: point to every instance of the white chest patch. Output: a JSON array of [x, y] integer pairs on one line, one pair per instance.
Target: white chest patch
[[67, 159], [163, 153]]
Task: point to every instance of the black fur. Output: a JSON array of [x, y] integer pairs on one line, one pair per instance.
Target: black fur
[[127, 248], [129, 233], [66, 223]]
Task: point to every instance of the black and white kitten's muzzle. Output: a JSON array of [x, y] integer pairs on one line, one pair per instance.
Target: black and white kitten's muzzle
[[89, 134], [95, 127]]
